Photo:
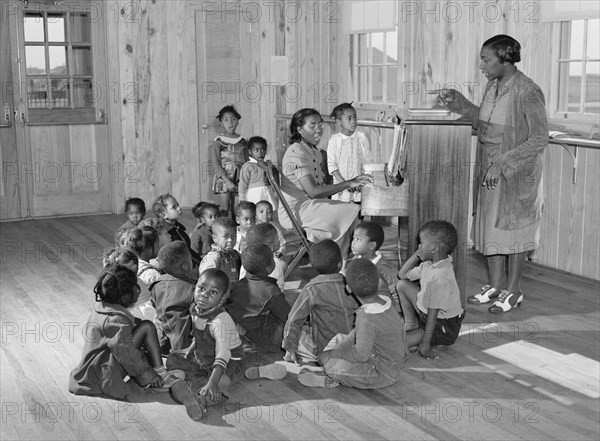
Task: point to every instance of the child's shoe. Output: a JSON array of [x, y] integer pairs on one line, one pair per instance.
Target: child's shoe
[[195, 404], [270, 371], [316, 379]]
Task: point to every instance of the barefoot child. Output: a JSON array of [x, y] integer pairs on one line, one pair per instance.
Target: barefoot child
[[432, 311]]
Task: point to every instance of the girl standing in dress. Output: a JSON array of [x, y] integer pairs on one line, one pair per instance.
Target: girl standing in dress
[[227, 154]]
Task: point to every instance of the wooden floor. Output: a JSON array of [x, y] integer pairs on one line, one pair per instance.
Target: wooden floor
[[530, 374]]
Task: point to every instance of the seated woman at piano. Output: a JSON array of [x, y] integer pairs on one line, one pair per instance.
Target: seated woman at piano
[[304, 190]]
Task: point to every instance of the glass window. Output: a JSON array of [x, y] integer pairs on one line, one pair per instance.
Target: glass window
[[579, 67], [375, 66], [58, 61]]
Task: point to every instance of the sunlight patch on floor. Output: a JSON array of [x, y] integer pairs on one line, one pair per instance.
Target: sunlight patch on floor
[[573, 371]]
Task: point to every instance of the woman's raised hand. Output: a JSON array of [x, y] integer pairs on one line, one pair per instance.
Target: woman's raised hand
[[449, 98]]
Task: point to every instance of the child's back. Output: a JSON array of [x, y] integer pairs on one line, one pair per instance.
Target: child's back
[[330, 307], [173, 294], [109, 356], [257, 304]]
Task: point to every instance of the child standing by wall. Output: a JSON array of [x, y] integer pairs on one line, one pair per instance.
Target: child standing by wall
[[254, 184], [135, 208], [257, 304], [245, 217], [227, 153], [368, 238], [324, 299], [118, 347], [347, 150], [218, 352], [167, 208], [222, 255], [172, 295], [373, 354], [201, 239], [432, 311]]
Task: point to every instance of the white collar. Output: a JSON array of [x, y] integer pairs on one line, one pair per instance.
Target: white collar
[[228, 140], [376, 259], [441, 262], [354, 135], [376, 308]]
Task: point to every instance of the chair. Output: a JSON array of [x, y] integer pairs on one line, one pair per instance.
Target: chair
[[305, 244]]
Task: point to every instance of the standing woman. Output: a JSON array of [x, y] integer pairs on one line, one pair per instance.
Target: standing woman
[[303, 187], [512, 130], [226, 154]]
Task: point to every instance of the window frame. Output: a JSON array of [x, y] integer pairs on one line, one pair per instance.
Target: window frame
[[49, 114], [561, 40], [355, 65]]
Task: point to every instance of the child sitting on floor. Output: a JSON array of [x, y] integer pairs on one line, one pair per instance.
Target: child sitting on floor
[[172, 295], [201, 240], [118, 347], [222, 255], [143, 241], [373, 354], [323, 299], [219, 353], [245, 216], [267, 234], [257, 304], [432, 312], [167, 208], [368, 238], [264, 215], [135, 208]]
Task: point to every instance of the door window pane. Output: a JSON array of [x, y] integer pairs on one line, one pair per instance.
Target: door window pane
[[35, 59], [56, 28], [84, 94], [34, 27], [81, 28], [37, 92], [58, 60], [82, 61], [60, 92]]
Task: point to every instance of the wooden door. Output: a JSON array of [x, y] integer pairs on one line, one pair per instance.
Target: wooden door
[[11, 159], [221, 37], [59, 59]]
